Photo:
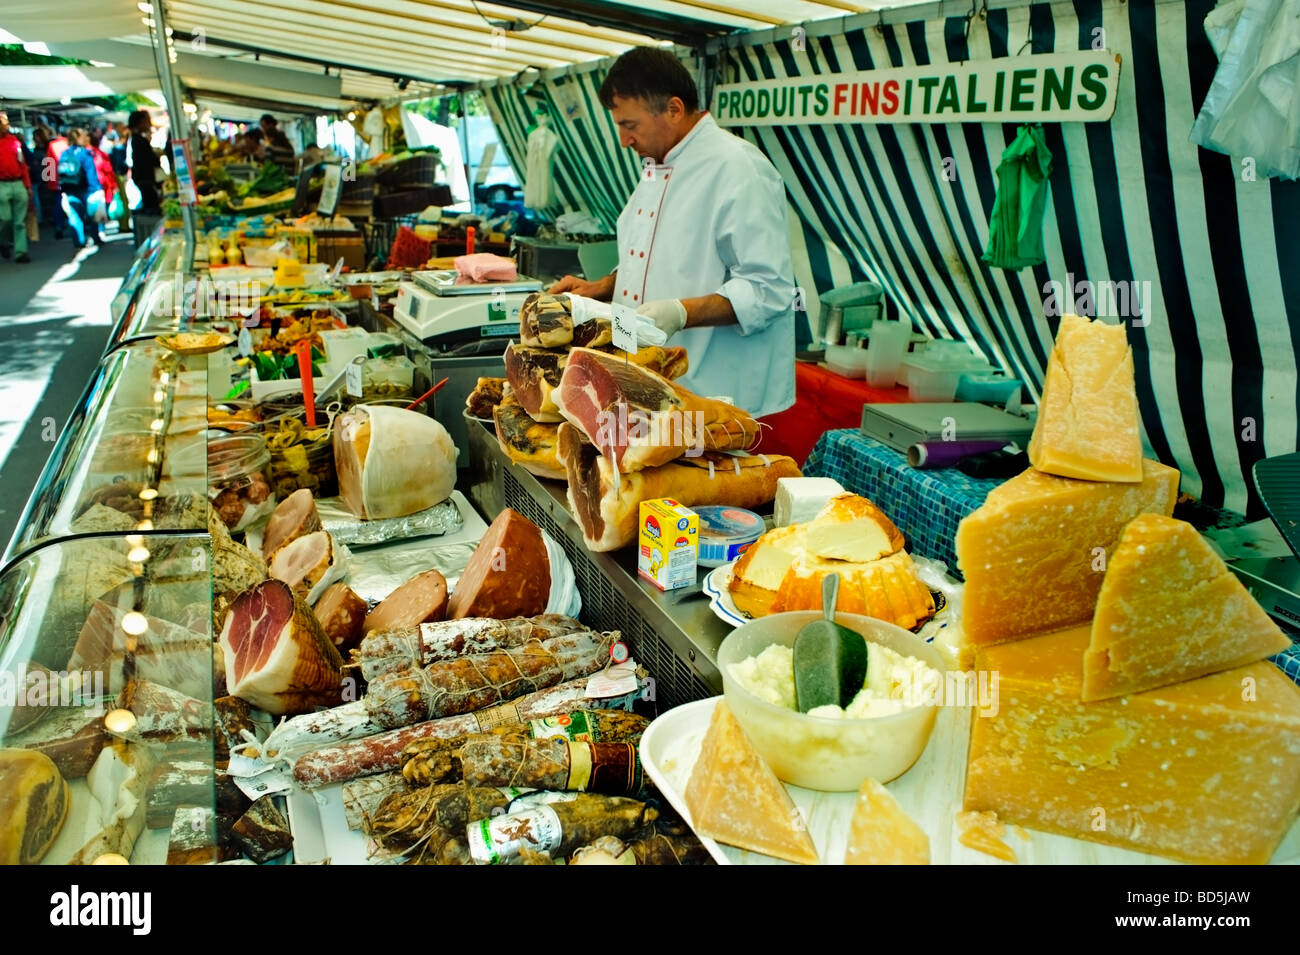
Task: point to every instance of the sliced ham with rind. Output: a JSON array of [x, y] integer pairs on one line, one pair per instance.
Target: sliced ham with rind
[[302, 563], [276, 656], [422, 599], [294, 517], [509, 574], [342, 615]]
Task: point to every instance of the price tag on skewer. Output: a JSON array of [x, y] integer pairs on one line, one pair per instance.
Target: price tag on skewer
[[354, 384], [624, 322]]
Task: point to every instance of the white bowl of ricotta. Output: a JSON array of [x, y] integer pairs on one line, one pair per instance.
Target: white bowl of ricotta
[[880, 734]]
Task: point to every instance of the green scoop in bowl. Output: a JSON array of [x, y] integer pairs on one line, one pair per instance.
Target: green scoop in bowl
[[830, 661]]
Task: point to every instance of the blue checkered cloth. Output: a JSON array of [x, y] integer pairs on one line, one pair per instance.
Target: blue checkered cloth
[[925, 504], [1288, 661]]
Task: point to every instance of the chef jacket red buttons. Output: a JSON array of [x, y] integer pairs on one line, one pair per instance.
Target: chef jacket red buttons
[[634, 298], [643, 255]]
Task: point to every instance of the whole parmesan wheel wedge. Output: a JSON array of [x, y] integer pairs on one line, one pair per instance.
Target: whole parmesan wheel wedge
[[392, 462], [276, 655], [294, 517], [422, 599], [34, 803], [341, 614], [509, 574]]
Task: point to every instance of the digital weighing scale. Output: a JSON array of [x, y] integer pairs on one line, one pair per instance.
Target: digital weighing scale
[[454, 317], [902, 425]]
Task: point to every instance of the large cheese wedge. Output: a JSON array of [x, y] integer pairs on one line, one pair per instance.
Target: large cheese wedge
[[1203, 771], [1088, 418], [850, 527], [1034, 554], [1170, 610], [880, 833], [734, 797]]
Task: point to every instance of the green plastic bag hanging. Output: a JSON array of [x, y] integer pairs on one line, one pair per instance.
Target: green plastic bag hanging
[[1016, 228]]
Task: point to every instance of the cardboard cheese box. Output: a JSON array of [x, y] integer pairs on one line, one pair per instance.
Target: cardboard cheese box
[[668, 544]]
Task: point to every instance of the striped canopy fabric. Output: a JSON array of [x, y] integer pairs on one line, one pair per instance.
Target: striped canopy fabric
[[593, 173], [1134, 208]]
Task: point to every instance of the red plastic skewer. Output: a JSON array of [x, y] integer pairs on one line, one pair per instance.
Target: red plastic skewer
[[469, 241], [308, 386], [428, 394]]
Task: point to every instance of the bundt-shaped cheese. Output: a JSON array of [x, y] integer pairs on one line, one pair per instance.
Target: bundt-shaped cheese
[[850, 527], [887, 589], [758, 573]]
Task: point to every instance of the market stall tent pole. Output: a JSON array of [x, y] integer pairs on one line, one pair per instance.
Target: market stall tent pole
[[180, 124]]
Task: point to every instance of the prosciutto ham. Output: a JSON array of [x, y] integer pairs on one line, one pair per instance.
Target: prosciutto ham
[[304, 562], [639, 419], [529, 443], [546, 321], [606, 502], [276, 656]]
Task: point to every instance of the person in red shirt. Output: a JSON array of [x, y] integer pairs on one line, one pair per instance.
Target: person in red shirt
[[103, 169], [50, 175], [15, 193]]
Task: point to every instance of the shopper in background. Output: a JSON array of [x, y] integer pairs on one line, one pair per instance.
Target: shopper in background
[[35, 160], [15, 193], [55, 145], [78, 180], [250, 146], [103, 165], [145, 172], [278, 148], [117, 136]]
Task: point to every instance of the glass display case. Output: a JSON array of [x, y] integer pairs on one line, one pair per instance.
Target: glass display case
[[133, 455], [151, 300], [106, 702]]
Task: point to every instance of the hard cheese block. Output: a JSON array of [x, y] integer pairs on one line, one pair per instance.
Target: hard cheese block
[[1170, 610], [1202, 771], [1035, 552], [735, 797], [1088, 419], [880, 833]]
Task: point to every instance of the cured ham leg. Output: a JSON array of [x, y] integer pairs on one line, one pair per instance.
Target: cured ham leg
[[276, 656], [529, 443], [606, 504], [639, 419], [302, 563]]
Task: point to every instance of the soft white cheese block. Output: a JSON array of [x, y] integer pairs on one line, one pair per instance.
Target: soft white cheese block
[[800, 499]]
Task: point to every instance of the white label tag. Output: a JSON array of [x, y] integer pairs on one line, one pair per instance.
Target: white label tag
[[500, 839], [354, 382], [624, 327], [614, 681], [245, 342], [267, 784]]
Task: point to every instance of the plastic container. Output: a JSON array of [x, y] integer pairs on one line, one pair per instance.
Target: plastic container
[[932, 374], [997, 389], [846, 361], [832, 755], [239, 480], [886, 348], [726, 533]]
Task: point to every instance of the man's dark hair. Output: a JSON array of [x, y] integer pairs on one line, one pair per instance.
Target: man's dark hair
[[268, 118], [134, 121], [650, 74]]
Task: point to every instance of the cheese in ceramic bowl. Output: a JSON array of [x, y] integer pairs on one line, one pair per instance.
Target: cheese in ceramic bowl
[[880, 735]]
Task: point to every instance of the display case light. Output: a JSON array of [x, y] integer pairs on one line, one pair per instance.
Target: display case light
[[138, 555], [134, 623], [119, 721]]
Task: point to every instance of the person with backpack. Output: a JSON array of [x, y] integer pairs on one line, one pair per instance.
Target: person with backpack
[[78, 180]]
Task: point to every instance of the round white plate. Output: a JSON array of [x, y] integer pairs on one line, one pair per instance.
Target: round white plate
[[720, 602]]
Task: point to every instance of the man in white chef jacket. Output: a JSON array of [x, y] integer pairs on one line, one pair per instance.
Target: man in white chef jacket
[[704, 250]]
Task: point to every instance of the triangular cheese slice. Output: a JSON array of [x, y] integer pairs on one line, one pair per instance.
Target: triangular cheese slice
[[734, 797], [1087, 424], [1170, 610], [880, 833]]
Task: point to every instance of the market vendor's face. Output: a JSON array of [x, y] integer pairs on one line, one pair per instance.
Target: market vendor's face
[[649, 133]]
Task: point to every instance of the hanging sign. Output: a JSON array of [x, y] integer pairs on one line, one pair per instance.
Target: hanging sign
[[182, 165], [1075, 87]]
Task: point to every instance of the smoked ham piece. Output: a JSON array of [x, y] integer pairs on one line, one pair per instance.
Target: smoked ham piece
[[545, 321], [294, 517], [508, 575], [534, 374], [639, 419], [528, 443], [606, 504], [341, 614], [392, 462], [304, 562], [422, 599], [486, 395], [276, 655]]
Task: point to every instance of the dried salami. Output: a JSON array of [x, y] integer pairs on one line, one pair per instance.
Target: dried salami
[[387, 651], [552, 763]]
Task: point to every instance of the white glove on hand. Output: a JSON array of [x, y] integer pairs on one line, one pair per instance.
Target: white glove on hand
[[668, 314]]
